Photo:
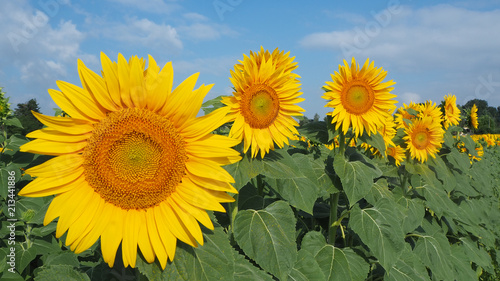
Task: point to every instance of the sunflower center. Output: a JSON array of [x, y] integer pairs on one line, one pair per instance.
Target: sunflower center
[[358, 98], [134, 158], [421, 140], [260, 106]]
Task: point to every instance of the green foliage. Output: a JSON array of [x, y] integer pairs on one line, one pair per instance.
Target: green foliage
[[23, 113], [437, 220]]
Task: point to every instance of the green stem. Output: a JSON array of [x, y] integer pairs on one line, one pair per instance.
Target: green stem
[[260, 185], [342, 143], [405, 179], [232, 211], [332, 230]]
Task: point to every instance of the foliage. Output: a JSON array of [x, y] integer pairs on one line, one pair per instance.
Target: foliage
[[24, 115], [421, 221]]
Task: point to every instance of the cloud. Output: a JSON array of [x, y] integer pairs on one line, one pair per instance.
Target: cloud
[[418, 38], [144, 32], [151, 6], [435, 50], [407, 97], [214, 66], [199, 28]]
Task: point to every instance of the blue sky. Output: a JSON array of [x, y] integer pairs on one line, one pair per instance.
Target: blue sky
[[429, 48]]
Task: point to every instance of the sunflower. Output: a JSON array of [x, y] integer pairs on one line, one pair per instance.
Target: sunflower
[[388, 131], [264, 101], [403, 114], [359, 97], [134, 165], [473, 116], [424, 137], [396, 152], [451, 111], [430, 108]]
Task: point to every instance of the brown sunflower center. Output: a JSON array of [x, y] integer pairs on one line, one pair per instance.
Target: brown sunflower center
[[358, 98], [260, 106], [421, 139], [134, 158]]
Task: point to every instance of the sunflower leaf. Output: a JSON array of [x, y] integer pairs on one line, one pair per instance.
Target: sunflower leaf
[[268, 237], [356, 175], [60, 272], [335, 263], [379, 227]]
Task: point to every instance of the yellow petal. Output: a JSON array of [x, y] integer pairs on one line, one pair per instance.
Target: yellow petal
[[41, 187], [55, 135], [78, 228], [112, 235], [207, 169], [67, 125], [95, 85], [168, 239], [57, 167], [176, 226], [154, 237], [161, 88], [82, 99], [110, 75], [188, 222], [46, 147], [67, 106], [131, 236]]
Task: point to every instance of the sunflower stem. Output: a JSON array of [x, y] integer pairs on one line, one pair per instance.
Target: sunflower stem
[[332, 229], [260, 185], [342, 143], [232, 211], [403, 183]]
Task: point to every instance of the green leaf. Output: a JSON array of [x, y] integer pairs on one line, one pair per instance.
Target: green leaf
[[475, 254], [379, 190], [60, 272], [356, 175], [375, 140], [379, 228], [413, 211], [459, 160], [290, 181], [13, 122], [212, 261], [335, 263], [434, 251], [212, 105], [442, 172], [315, 131], [9, 276], [245, 271], [244, 170], [24, 257], [62, 258], [407, 268], [306, 268], [461, 264], [268, 237]]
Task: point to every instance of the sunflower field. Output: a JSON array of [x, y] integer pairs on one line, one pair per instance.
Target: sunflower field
[[135, 179]]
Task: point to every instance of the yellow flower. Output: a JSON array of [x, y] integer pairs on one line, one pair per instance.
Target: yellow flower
[[396, 152], [473, 116], [388, 131], [134, 165], [403, 114], [452, 113], [430, 108], [359, 97], [264, 101], [480, 153], [424, 137]]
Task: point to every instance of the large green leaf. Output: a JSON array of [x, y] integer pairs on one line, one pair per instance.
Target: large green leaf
[[379, 228], [306, 268], [434, 251], [336, 264], [244, 270], [60, 272], [438, 166], [298, 185], [268, 237], [375, 140], [212, 261], [244, 170], [356, 175], [461, 264], [407, 268]]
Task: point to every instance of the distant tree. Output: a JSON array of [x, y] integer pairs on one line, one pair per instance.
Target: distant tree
[[482, 106], [316, 117], [23, 113]]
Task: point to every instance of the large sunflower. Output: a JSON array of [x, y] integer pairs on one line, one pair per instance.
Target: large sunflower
[[424, 137], [451, 111], [473, 116], [403, 113], [264, 101], [359, 97], [396, 152], [134, 165]]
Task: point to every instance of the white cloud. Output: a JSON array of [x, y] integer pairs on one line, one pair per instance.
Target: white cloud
[[445, 47], [214, 66], [151, 6], [407, 97], [144, 32]]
